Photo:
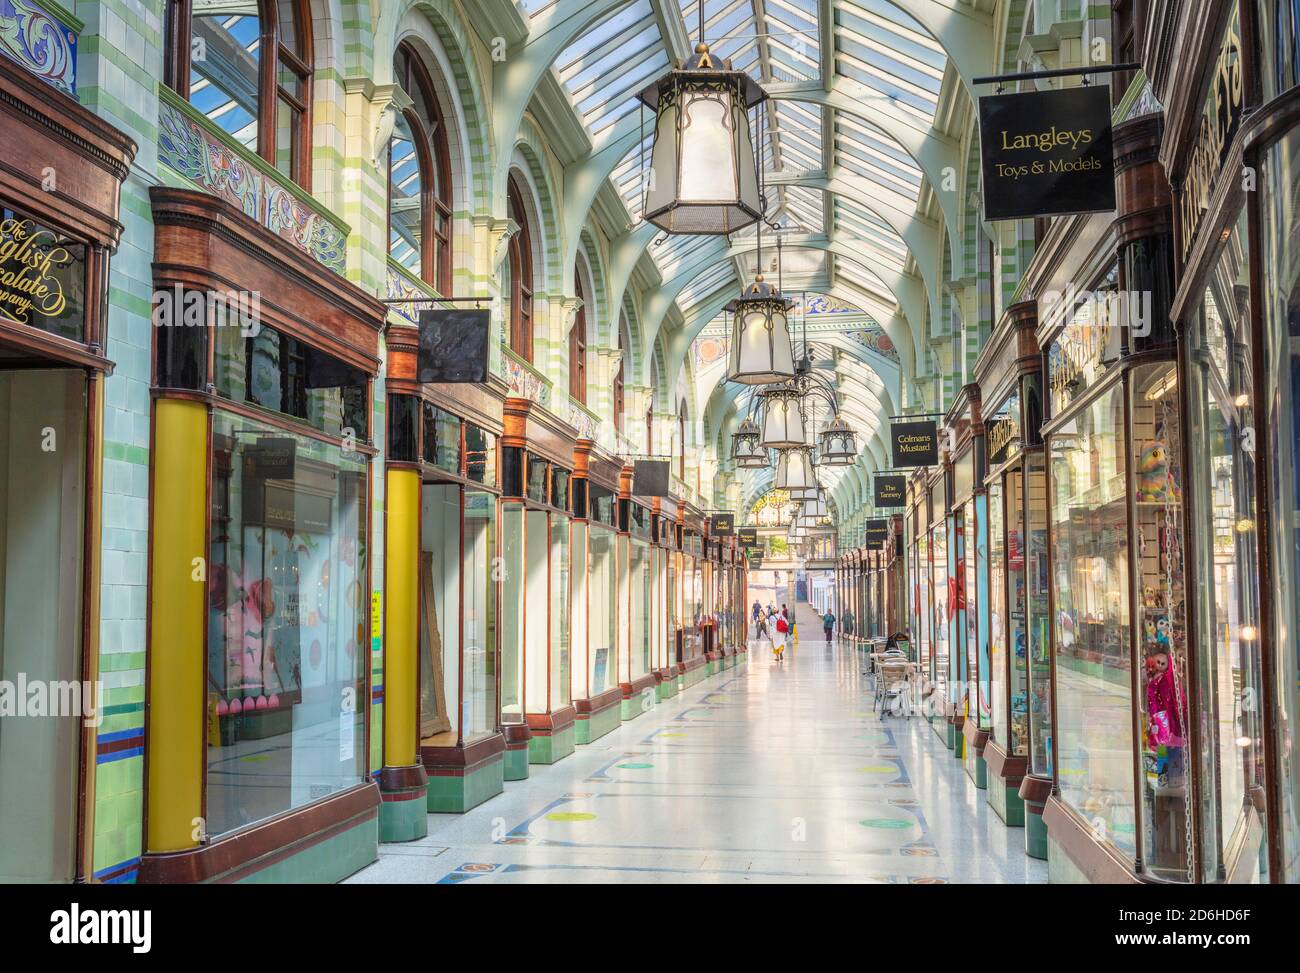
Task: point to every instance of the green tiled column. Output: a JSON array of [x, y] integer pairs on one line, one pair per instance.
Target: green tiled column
[[552, 747]]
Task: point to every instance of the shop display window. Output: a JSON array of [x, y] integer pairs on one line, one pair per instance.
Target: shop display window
[[997, 607], [1160, 614], [512, 612], [480, 455], [939, 615], [538, 606], [1015, 633], [1225, 552], [1038, 616], [441, 447], [641, 604], [1089, 546], [440, 615], [561, 689], [280, 373], [288, 626], [42, 507], [1279, 261], [1279, 45], [479, 624], [602, 601], [42, 277]]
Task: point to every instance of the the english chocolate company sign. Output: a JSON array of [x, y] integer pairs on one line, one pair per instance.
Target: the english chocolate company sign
[[1047, 153]]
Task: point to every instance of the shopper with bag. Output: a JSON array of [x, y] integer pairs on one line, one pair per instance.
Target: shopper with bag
[[782, 637]]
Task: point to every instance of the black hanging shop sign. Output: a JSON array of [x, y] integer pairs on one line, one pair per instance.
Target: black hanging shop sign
[[748, 536], [453, 346], [722, 525], [875, 532], [650, 478], [891, 491], [915, 443], [1047, 153]]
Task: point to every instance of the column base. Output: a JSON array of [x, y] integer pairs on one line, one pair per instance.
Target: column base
[[667, 687], [464, 776], [692, 672], [323, 842], [403, 792], [638, 696], [597, 716], [1005, 774], [1035, 791], [553, 735], [516, 758], [975, 740]]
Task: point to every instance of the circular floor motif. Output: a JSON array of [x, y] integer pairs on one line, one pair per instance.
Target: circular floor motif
[[672, 734], [897, 823], [877, 769], [635, 766], [570, 816]]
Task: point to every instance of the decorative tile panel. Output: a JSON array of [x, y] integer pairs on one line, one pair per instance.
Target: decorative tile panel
[[187, 146], [31, 36]]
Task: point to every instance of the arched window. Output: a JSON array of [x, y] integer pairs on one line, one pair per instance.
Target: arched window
[[618, 376], [419, 178], [681, 442], [215, 59], [521, 274], [650, 431], [578, 344]]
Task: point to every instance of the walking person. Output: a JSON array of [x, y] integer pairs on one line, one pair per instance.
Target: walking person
[[760, 624], [782, 637], [828, 625]]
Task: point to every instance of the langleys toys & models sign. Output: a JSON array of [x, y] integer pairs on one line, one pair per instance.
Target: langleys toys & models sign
[[1047, 153]]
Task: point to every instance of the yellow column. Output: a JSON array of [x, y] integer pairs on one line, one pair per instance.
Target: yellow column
[[402, 632], [176, 716]]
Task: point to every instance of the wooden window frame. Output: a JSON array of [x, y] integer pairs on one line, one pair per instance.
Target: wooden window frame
[[521, 275], [178, 35], [578, 345]]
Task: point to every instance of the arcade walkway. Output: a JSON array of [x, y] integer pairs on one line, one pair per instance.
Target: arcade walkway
[[771, 773]]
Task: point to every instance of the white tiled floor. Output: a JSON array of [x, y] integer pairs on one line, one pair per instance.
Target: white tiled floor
[[769, 773]]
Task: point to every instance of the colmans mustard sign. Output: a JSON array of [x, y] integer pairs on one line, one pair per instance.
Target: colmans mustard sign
[[914, 444], [33, 262], [1047, 153]]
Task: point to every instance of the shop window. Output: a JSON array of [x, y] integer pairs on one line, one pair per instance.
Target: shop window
[[512, 612], [639, 578], [441, 439], [440, 614], [479, 622], [518, 287], [217, 59], [619, 404], [1160, 615], [42, 277], [282, 374], [602, 602], [561, 687], [1279, 45], [42, 503], [1225, 555], [1093, 652], [288, 629], [997, 609], [480, 455], [1038, 621], [1279, 260], [419, 178]]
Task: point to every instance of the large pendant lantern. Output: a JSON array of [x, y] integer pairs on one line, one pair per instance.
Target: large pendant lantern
[[838, 443], [746, 447], [816, 508], [702, 173], [783, 419], [795, 473], [761, 351]]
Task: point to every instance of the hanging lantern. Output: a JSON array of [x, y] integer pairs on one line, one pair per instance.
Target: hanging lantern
[[761, 352], [816, 507], [746, 447], [702, 173], [794, 472], [839, 445], [783, 420]]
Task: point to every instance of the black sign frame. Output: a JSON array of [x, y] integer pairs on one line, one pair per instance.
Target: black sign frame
[[1047, 153], [890, 492], [914, 443], [453, 346]]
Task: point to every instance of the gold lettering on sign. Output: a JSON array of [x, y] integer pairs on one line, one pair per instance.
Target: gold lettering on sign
[[1047, 141], [1002, 434], [1078, 349], [1219, 122], [29, 257]]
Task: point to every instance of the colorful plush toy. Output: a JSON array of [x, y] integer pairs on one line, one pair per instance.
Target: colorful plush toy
[[1154, 483]]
